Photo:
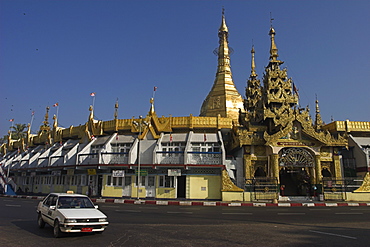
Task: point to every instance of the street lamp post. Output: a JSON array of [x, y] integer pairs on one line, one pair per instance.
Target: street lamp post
[[139, 124]]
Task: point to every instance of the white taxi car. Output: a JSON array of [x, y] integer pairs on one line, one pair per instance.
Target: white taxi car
[[68, 212]]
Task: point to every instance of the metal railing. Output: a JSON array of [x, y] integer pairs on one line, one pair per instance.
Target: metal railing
[[262, 188], [214, 158], [335, 189]]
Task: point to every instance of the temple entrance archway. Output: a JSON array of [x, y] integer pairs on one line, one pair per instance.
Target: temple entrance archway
[[295, 178], [294, 182]]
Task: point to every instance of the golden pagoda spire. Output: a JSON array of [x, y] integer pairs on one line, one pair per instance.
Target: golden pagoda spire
[[318, 119], [223, 49], [223, 27], [253, 93], [278, 98], [253, 64], [45, 127], [116, 109], [223, 99], [46, 120], [273, 49]]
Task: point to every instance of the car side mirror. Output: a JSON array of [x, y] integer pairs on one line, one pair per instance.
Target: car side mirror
[[52, 207], [96, 206]]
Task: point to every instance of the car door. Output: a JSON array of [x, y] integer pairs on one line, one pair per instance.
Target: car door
[[53, 209], [45, 209]]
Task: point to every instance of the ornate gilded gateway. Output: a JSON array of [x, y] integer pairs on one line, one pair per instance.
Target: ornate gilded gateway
[[274, 120], [296, 157]]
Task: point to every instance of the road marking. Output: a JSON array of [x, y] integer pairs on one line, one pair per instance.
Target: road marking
[[150, 207], [10, 205], [332, 234], [190, 208], [291, 213], [349, 213], [169, 212], [239, 213], [277, 210], [130, 211]]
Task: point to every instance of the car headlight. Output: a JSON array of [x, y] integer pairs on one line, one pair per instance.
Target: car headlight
[[70, 221], [103, 220]]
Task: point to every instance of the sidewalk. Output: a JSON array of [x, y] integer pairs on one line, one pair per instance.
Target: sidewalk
[[215, 203]]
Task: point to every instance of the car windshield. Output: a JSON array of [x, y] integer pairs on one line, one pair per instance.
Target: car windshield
[[74, 202]]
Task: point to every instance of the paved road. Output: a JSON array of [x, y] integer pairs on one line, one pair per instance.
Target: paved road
[[152, 225]]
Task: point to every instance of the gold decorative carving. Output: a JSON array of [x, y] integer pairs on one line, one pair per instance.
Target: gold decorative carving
[[272, 139], [325, 152], [248, 138], [227, 184], [365, 187]]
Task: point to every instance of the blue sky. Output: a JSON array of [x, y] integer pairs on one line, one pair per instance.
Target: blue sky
[[61, 51]]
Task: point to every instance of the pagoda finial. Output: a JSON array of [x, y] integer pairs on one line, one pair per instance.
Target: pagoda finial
[[271, 19], [116, 109], [273, 49], [46, 121], [152, 106], [45, 127], [55, 125], [223, 27], [91, 109], [318, 119], [253, 64]]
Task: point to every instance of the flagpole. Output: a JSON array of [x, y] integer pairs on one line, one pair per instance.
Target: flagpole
[[58, 111], [155, 89], [32, 117]]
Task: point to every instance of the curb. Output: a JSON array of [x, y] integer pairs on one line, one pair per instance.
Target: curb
[[213, 204], [232, 204]]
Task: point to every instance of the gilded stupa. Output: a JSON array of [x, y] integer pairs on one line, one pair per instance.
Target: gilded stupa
[[223, 99]]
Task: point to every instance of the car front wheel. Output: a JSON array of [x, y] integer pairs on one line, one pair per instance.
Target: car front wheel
[[57, 232], [40, 221]]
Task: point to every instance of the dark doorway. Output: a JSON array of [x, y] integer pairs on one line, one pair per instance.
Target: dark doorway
[[181, 186], [100, 184], [326, 173], [295, 182], [259, 172]]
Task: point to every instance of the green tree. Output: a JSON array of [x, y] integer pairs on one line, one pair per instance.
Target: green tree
[[18, 131]]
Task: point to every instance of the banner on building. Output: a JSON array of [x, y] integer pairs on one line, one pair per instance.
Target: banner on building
[[91, 171], [56, 173], [142, 172], [118, 173], [174, 172], [70, 172]]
